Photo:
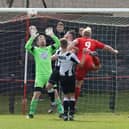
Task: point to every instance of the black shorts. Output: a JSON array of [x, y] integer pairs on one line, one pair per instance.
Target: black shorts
[[67, 84], [54, 78], [38, 89]]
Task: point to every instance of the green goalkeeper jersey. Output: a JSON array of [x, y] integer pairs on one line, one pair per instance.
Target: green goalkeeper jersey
[[42, 56]]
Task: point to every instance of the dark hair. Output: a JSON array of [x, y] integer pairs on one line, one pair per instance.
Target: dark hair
[[63, 43], [60, 23], [40, 33], [72, 32]]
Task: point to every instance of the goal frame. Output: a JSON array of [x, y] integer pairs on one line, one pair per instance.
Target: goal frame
[[66, 10], [54, 11]]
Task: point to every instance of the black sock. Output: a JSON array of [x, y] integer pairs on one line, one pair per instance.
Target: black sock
[[52, 96], [72, 107], [66, 107]]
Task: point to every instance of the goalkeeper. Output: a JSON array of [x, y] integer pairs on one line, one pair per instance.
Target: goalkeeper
[[42, 56]]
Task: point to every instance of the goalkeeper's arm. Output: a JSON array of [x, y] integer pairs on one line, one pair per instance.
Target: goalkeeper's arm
[[34, 34], [29, 46], [55, 46]]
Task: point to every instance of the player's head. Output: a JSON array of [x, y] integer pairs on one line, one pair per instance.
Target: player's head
[[63, 43], [41, 40], [80, 31], [70, 35], [87, 32], [60, 27]]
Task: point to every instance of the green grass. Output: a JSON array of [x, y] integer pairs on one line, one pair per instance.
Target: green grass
[[82, 121], [89, 103], [93, 113]]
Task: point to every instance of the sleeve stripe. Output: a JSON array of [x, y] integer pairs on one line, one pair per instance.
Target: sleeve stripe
[[74, 60]]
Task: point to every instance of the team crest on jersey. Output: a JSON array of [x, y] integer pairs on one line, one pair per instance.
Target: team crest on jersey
[[44, 55]]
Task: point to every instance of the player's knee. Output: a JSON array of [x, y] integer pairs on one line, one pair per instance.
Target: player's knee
[[36, 95], [96, 67], [96, 60], [49, 86]]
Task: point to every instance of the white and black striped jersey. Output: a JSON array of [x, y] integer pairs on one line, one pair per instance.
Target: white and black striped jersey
[[67, 61], [57, 53]]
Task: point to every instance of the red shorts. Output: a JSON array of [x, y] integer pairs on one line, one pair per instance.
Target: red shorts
[[88, 66]]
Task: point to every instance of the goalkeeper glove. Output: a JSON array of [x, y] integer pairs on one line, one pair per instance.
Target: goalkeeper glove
[[33, 31], [49, 31]]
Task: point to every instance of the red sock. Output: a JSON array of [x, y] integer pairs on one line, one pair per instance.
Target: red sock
[[77, 92]]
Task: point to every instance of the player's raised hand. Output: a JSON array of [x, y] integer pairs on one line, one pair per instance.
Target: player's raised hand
[[49, 31], [33, 31]]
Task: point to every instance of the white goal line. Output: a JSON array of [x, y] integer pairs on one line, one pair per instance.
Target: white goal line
[[65, 10]]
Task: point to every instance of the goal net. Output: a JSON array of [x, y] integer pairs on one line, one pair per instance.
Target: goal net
[[103, 91]]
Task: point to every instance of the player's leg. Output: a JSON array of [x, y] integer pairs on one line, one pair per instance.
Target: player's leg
[[51, 85], [50, 89], [79, 83], [66, 107], [94, 61], [39, 83], [52, 99], [80, 74], [65, 90], [71, 98], [34, 102], [71, 106], [58, 101]]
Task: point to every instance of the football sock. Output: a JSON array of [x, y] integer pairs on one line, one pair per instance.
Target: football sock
[[59, 106], [66, 106], [72, 106], [33, 106]]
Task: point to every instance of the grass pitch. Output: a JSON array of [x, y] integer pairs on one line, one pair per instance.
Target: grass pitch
[[82, 121], [94, 113]]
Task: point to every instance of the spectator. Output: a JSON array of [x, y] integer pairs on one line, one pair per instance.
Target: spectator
[[60, 31], [80, 31]]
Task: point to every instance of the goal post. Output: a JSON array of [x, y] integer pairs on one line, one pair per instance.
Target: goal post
[[102, 91], [66, 10], [24, 101]]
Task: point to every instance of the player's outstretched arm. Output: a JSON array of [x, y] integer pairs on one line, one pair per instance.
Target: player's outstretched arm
[[33, 34], [56, 45], [110, 49]]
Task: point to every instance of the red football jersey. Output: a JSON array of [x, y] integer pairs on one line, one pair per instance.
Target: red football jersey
[[88, 43]]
